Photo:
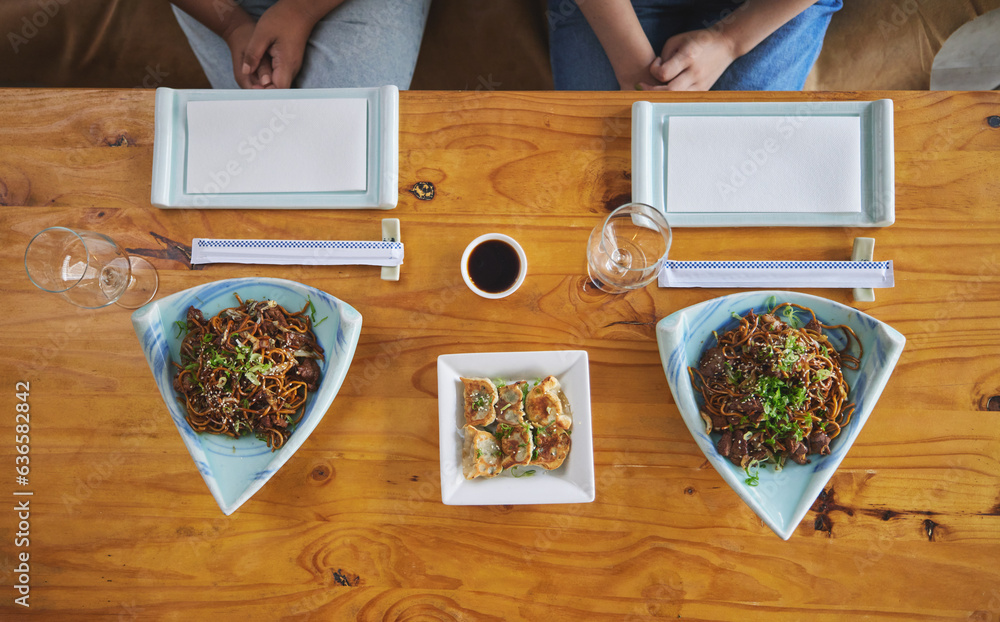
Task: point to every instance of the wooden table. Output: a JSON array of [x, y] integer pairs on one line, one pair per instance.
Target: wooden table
[[123, 527]]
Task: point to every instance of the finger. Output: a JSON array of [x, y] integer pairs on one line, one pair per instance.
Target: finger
[[256, 48], [683, 82], [282, 78], [664, 66], [265, 71], [671, 68], [284, 73], [655, 67], [242, 80]]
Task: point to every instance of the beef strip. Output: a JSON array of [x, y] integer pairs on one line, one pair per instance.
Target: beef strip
[[738, 451], [183, 383], [719, 422], [819, 443], [751, 406], [308, 371], [799, 452], [725, 443], [713, 363], [294, 340], [276, 316]]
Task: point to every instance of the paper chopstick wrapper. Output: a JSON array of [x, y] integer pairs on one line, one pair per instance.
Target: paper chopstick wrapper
[[296, 252], [867, 274]]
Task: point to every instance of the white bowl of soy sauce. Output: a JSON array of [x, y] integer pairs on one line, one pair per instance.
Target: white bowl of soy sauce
[[494, 265]]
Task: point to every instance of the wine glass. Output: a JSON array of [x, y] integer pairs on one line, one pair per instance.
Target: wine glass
[[88, 269], [627, 250]]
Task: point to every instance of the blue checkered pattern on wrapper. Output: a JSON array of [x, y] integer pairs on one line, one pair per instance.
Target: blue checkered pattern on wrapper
[[379, 245], [777, 265]]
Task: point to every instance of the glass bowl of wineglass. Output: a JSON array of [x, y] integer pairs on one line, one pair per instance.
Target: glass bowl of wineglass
[[88, 269], [627, 250]]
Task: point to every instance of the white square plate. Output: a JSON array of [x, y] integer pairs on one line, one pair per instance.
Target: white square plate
[[573, 482]]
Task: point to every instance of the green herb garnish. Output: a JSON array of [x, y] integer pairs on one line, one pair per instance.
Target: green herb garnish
[[480, 402], [503, 431], [312, 313]]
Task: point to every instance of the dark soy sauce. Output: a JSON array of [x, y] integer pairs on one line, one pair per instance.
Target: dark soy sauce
[[494, 266]]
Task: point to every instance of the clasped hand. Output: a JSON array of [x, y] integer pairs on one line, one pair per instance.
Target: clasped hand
[[269, 53], [690, 61]]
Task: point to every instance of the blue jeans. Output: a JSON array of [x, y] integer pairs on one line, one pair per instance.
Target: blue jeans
[[780, 62], [361, 43]]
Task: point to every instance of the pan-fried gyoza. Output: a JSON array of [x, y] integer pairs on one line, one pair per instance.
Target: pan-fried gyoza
[[529, 423]]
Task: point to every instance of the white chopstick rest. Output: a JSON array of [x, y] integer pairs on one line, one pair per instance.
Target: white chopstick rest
[[391, 233], [297, 252], [853, 274]]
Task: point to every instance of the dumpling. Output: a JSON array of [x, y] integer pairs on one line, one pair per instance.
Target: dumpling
[[480, 454], [516, 444], [546, 405], [510, 406], [480, 400], [552, 445]]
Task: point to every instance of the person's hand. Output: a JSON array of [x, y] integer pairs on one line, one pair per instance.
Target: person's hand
[[691, 61], [237, 40], [281, 34], [638, 79]]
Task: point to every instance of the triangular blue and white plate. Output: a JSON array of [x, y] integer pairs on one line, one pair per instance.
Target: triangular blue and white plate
[[781, 499], [235, 469]]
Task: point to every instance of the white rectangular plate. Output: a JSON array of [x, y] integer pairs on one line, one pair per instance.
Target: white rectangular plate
[[650, 159], [170, 147], [573, 482]]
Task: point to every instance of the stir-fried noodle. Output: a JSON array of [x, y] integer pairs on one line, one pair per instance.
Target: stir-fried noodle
[[248, 370], [775, 391]]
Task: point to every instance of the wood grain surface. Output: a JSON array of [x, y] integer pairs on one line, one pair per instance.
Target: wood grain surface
[[122, 526]]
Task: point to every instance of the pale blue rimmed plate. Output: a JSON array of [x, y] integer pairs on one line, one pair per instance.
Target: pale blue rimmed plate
[[170, 151], [878, 191], [781, 499], [235, 469]]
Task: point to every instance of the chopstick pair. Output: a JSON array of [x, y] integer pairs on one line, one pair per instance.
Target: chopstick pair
[[861, 273], [776, 273], [387, 253]]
